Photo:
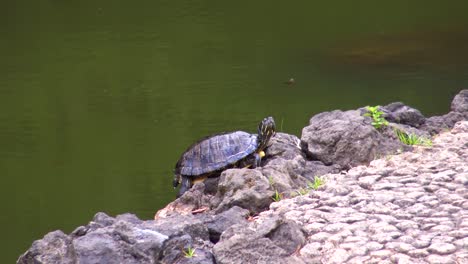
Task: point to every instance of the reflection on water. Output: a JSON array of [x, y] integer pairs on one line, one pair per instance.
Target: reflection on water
[[99, 99], [430, 50]]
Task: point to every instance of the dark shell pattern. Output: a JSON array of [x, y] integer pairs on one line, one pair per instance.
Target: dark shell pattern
[[216, 152]]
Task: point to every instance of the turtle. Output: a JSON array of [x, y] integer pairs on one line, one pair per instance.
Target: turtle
[[213, 154]]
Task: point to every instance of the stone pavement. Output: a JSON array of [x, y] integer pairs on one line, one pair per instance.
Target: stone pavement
[[407, 208]]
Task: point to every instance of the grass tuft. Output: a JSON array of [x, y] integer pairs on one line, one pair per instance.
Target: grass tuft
[[190, 252], [277, 196], [412, 139], [302, 191], [271, 181], [318, 182]]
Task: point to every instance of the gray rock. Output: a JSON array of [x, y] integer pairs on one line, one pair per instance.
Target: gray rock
[[373, 246], [201, 256], [97, 247], [55, 247], [401, 259], [123, 239], [174, 247], [179, 225], [283, 146], [219, 223], [384, 253], [102, 220], [346, 139], [437, 124], [359, 260], [442, 248], [403, 114], [338, 256], [460, 102], [259, 244], [288, 236], [285, 156], [459, 106], [193, 199], [407, 208], [245, 188], [237, 250], [436, 259], [418, 253]]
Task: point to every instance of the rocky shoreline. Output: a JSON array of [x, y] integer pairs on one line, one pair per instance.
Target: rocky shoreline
[[382, 202]]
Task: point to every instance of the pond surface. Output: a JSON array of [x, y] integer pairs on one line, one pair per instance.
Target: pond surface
[[98, 99]]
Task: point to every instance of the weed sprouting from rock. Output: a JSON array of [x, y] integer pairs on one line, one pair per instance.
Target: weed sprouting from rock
[[377, 119], [277, 196], [190, 252], [318, 182]]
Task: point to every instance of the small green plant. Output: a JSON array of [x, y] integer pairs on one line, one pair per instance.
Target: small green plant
[[277, 196], [318, 181], [377, 119], [302, 191], [412, 139], [271, 181], [190, 252]]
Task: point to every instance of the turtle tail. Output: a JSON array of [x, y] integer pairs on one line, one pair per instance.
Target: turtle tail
[[185, 185]]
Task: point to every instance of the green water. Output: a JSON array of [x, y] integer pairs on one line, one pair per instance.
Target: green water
[[99, 98]]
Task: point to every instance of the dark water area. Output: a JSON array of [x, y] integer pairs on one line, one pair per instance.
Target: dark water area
[[98, 99]]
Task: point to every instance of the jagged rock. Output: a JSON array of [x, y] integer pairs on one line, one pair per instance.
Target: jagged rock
[[261, 243], [346, 139], [460, 127], [437, 124], [219, 223], [314, 168], [106, 240], [175, 247], [246, 188], [193, 199], [201, 256], [407, 208], [55, 247], [287, 165], [196, 231], [178, 225], [288, 236], [284, 146], [402, 114], [284, 175], [460, 102], [459, 107]]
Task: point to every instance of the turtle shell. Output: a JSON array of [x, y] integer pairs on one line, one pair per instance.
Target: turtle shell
[[216, 152]]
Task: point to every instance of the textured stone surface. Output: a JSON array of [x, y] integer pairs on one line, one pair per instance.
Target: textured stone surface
[[459, 112], [405, 208], [55, 247], [393, 213], [403, 114], [346, 139]]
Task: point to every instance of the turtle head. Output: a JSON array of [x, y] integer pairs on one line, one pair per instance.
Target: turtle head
[[266, 129]]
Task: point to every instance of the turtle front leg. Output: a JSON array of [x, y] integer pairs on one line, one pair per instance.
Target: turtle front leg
[[185, 185], [176, 181], [258, 159]]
